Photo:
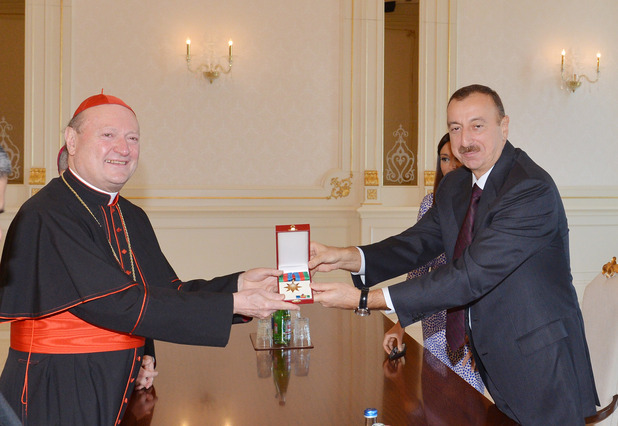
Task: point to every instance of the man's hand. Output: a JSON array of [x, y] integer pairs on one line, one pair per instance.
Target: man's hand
[[336, 295], [146, 374], [345, 296], [393, 337], [259, 303], [325, 258], [264, 278]]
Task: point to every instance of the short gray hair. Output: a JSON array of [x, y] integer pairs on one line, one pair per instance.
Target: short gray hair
[[5, 163], [76, 122], [63, 159]]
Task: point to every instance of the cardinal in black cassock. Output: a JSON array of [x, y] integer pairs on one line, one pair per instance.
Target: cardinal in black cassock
[[86, 287]]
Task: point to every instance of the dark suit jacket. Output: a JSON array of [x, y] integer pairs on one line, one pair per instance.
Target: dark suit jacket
[[526, 326]]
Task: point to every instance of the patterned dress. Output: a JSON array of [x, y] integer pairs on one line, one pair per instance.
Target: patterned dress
[[434, 326]]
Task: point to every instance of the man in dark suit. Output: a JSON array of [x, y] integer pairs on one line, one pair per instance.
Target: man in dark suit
[[513, 279]]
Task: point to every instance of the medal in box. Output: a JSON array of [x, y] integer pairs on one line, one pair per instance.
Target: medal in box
[[293, 260]]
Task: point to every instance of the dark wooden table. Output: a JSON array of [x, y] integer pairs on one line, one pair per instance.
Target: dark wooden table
[[331, 384]]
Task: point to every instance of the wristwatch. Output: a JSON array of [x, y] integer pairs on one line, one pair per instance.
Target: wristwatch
[[362, 309]]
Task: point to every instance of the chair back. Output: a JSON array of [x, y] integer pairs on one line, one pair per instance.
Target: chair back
[[600, 311]]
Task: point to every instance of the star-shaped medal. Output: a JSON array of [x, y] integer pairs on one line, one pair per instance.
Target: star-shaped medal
[[292, 287]]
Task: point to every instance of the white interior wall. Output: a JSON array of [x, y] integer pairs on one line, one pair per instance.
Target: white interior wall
[[223, 164], [515, 47]]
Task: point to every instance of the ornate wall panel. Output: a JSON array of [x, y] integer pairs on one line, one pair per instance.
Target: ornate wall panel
[[12, 42]]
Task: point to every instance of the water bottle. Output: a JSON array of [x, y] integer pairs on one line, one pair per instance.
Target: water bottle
[[371, 416]]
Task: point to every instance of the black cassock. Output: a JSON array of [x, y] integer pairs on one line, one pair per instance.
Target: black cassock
[[59, 256]]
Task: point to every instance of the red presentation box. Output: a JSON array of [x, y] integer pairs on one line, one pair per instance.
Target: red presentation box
[[293, 260]]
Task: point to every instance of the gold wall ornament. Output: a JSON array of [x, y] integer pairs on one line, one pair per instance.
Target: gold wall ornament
[[37, 176], [372, 194], [371, 178], [341, 188], [12, 151], [430, 177], [610, 268], [399, 161]]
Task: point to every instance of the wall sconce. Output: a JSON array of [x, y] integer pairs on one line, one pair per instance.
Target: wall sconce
[[573, 83], [212, 68]]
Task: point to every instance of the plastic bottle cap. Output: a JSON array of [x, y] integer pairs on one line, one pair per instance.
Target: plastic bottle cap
[[371, 412]]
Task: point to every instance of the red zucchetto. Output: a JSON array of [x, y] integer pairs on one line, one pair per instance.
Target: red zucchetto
[[101, 99]]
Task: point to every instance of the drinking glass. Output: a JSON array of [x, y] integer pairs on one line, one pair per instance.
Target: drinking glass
[[301, 333], [264, 336]]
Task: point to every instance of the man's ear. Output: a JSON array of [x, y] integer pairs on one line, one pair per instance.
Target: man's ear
[[504, 124], [69, 137]]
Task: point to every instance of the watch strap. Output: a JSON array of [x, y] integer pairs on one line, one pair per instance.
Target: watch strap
[[362, 309]]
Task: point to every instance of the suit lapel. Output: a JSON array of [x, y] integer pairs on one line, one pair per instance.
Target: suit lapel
[[461, 200], [455, 199], [494, 183], [487, 198]]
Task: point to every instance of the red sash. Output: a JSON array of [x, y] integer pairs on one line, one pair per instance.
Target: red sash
[[64, 333]]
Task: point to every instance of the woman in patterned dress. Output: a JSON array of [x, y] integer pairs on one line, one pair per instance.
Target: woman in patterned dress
[[434, 326]]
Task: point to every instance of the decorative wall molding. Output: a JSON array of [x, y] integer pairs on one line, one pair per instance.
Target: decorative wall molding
[[430, 177], [340, 187], [400, 160], [37, 176], [10, 148], [337, 189], [372, 178], [372, 194]]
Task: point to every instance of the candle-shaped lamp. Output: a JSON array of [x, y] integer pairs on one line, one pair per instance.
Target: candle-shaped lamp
[[188, 49], [562, 60], [598, 61], [230, 43]]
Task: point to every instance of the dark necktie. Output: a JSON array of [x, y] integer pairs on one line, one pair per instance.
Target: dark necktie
[[455, 328]]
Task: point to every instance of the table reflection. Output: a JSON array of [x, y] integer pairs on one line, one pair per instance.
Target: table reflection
[[141, 408], [280, 364], [345, 372]]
